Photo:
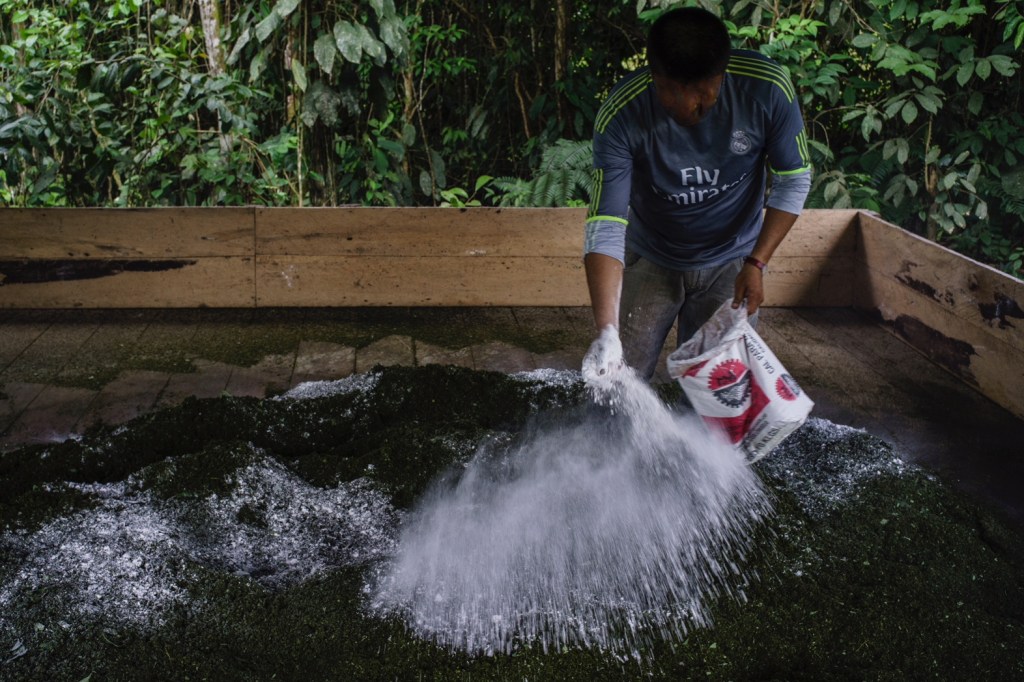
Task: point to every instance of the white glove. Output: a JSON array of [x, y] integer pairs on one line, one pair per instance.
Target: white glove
[[603, 360]]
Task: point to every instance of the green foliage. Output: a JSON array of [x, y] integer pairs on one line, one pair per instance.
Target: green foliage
[[913, 107], [116, 109], [1002, 249], [563, 179]]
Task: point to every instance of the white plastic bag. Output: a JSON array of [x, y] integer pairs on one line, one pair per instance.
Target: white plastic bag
[[735, 382]]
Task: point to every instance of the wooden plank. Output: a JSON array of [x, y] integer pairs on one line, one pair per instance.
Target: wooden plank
[[18, 336], [808, 281], [131, 394], [201, 282], [100, 233], [53, 253], [959, 313], [51, 417], [812, 269], [15, 396], [973, 292], [824, 233], [484, 231], [43, 359], [193, 232], [493, 232], [970, 352], [419, 281], [814, 264]]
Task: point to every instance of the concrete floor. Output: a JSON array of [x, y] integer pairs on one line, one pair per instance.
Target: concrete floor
[[62, 371]]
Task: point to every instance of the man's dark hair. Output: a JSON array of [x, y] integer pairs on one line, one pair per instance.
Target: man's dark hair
[[688, 44]]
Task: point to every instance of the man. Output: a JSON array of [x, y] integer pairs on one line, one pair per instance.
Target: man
[[678, 221]]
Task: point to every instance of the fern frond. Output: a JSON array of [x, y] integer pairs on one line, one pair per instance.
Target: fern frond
[[563, 177], [565, 154]]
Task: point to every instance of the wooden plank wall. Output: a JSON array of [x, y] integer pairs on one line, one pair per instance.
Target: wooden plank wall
[[815, 263], [419, 257], [130, 258], [963, 315], [245, 257]]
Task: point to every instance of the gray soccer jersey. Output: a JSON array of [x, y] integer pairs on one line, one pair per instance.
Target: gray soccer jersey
[[693, 196]]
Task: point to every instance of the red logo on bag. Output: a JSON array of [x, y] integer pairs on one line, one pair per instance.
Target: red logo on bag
[[787, 388], [730, 382], [733, 385]]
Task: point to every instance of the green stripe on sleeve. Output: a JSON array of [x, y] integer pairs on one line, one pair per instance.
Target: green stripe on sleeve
[[614, 219]]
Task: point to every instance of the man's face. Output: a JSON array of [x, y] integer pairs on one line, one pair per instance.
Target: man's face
[[688, 104]]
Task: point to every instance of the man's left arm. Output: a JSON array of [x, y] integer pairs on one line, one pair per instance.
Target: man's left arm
[[790, 166], [750, 281]]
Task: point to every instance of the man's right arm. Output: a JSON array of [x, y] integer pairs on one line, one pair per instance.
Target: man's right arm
[[603, 263], [605, 242]]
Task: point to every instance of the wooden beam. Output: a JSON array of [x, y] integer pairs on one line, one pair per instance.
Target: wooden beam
[[470, 232], [101, 233], [348, 257], [179, 283], [420, 281]]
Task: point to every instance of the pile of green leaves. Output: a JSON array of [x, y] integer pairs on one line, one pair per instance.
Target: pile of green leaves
[[902, 578]]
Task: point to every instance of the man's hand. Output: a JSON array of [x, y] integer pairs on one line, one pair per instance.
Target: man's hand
[[603, 360], [750, 286]]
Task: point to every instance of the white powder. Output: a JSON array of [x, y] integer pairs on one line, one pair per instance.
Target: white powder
[[127, 561], [361, 383], [815, 466], [606, 530]]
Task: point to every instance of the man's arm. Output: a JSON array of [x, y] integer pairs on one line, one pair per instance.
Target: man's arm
[[604, 280], [604, 245], [750, 281], [603, 360], [790, 165]]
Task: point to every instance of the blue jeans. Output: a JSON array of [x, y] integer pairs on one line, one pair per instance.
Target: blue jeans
[[654, 299]]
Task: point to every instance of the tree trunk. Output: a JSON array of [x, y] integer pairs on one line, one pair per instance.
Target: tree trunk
[[562, 12], [209, 16]]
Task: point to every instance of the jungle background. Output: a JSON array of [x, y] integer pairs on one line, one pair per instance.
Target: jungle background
[[914, 109]]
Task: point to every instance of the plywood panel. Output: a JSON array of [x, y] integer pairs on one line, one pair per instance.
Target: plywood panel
[[929, 274], [822, 233], [201, 282], [808, 281], [419, 281], [63, 233], [472, 232], [814, 265], [486, 254], [972, 353]]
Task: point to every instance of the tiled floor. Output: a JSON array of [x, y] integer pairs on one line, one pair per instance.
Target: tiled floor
[[62, 371]]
